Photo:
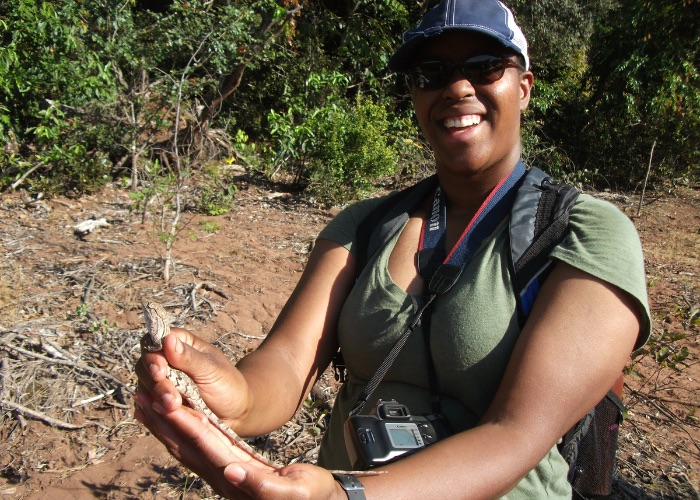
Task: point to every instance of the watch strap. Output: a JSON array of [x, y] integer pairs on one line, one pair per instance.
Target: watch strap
[[351, 485]]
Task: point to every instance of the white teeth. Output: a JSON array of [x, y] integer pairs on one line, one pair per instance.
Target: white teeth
[[462, 121]]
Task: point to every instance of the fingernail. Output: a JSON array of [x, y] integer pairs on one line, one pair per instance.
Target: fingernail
[[235, 473], [179, 348], [154, 370]]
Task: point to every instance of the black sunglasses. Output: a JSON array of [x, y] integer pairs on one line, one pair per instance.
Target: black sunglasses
[[479, 70]]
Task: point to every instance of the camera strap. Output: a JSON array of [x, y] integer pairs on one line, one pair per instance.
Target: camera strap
[[389, 360], [441, 273]]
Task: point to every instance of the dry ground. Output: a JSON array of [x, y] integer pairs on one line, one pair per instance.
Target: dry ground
[[70, 322]]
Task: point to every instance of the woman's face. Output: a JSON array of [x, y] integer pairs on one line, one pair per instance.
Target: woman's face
[[473, 129]]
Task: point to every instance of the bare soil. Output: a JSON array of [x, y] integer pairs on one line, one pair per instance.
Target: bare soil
[[70, 322]]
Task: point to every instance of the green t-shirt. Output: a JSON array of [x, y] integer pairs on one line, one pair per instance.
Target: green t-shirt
[[473, 330]]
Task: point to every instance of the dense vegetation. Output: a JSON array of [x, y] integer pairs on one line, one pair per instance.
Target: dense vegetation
[[97, 90]]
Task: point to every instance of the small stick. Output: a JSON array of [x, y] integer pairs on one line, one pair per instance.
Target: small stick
[[644, 188], [92, 399], [40, 416]]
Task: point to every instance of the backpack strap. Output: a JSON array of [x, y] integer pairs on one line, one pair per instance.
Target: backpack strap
[[539, 221], [388, 218]]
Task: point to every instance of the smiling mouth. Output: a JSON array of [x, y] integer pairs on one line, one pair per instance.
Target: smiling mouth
[[461, 121]]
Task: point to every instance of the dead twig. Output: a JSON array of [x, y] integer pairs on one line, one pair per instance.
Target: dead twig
[[40, 416], [74, 364], [19, 181], [646, 179], [670, 416], [213, 288], [252, 337], [668, 400], [92, 399]]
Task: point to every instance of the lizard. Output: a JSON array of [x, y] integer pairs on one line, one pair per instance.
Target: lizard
[[157, 321]]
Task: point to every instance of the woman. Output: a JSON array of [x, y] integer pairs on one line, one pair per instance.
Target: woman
[[509, 394]]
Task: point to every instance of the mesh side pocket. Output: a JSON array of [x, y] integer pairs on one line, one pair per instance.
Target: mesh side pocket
[[592, 471]]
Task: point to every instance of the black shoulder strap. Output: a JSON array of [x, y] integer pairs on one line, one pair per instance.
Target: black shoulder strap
[[539, 221], [385, 220]]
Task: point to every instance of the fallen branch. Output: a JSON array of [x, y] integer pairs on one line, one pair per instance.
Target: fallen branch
[[74, 364], [40, 416], [641, 198]]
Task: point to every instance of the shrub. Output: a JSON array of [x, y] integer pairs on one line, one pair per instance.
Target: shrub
[[354, 153]]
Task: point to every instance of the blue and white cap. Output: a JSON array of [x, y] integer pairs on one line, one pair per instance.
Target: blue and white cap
[[489, 17]]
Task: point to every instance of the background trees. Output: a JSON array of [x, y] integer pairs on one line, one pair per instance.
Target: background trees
[[91, 91]]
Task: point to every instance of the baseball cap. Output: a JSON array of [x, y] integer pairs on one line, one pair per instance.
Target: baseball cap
[[489, 17]]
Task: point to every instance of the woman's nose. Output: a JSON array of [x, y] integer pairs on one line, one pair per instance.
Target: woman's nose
[[458, 86]]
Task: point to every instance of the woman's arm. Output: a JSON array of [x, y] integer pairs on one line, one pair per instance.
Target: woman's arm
[[574, 346]]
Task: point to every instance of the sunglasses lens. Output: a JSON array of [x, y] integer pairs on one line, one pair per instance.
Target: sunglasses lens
[[430, 75], [486, 70]]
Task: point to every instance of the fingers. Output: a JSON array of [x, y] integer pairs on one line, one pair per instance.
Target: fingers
[[188, 434], [205, 364]]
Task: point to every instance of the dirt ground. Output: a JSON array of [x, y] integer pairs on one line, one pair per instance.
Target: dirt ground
[[70, 322]]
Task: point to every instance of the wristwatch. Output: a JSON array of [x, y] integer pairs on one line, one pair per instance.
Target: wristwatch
[[351, 485]]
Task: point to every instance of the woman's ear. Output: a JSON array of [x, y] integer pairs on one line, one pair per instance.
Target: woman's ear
[[527, 79]]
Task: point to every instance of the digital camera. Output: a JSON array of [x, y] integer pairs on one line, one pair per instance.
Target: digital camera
[[390, 432]]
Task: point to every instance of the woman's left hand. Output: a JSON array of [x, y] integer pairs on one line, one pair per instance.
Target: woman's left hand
[[191, 438]]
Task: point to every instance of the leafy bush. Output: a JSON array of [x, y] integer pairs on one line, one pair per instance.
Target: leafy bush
[[215, 192], [336, 148], [89, 89], [353, 152], [49, 72]]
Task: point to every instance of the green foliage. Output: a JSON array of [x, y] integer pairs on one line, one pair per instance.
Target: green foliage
[[160, 188], [337, 148], [298, 131], [107, 79], [606, 91], [48, 72], [665, 351], [353, 154], [89, 90], [215, 192], [209, 226], [645, 83]]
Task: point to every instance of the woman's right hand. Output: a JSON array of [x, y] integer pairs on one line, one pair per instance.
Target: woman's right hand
[[220, 384]]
